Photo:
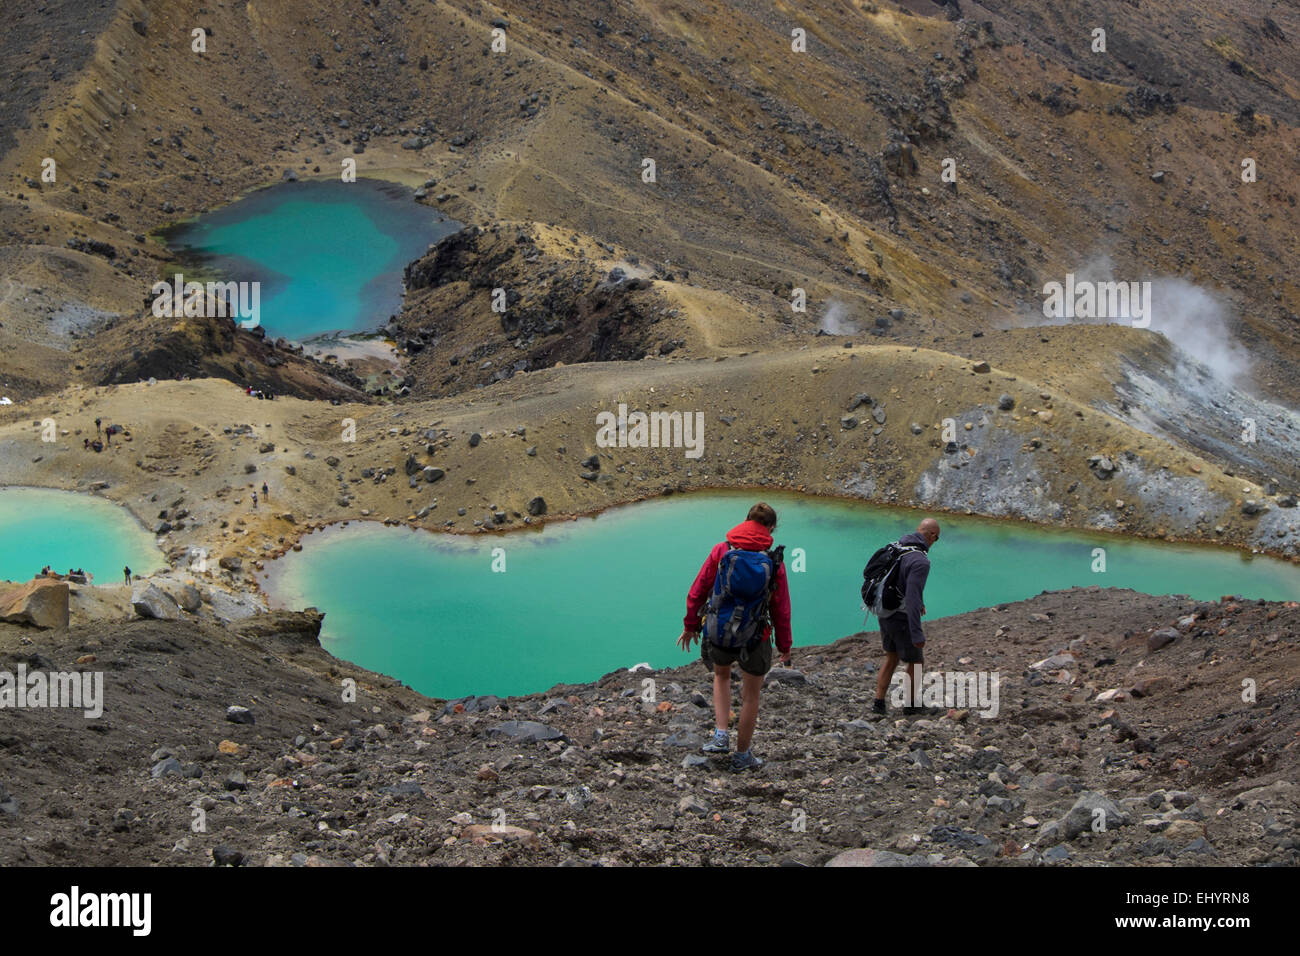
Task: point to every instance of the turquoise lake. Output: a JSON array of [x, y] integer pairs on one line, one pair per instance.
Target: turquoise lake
[[579, 599], [329, 255], [64, 529]]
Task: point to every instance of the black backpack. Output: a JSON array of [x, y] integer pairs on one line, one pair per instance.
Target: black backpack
[[881, 594]]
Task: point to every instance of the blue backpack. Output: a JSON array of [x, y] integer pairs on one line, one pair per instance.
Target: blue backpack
[[737, 609]]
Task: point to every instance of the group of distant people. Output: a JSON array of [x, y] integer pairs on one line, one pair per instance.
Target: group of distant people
[[76, 574], [741, 595], [98, 445], [258, 393]]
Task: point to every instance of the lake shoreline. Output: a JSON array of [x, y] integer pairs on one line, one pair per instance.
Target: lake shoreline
[[156, 233], [433, 596], [534, 524], [374, 227], [257, 581]]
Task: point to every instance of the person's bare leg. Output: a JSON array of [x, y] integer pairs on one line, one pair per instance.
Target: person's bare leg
[[721, 696], [886, 675], [750, 687]]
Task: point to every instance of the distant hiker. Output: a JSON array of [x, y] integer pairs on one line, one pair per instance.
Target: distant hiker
[[126, 573], [266, 492], [98, 425], [893, 588], [85, 444], [739, 596]]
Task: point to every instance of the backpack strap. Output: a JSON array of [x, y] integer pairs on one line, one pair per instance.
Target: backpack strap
[[777, 556], [902, 549]]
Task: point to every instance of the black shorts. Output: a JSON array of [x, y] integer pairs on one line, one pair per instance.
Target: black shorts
[[896, 639], [757, 662]]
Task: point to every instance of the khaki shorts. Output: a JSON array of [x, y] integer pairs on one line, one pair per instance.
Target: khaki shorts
[[757, 662]]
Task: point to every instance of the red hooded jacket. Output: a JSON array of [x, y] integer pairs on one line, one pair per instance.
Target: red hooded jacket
[[749, 536]]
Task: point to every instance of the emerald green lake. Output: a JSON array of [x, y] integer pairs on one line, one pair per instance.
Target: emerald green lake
[[329, 255], [64, 529], [582, 598]]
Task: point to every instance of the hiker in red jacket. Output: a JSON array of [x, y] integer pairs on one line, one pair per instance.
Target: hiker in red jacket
[[737, 612]]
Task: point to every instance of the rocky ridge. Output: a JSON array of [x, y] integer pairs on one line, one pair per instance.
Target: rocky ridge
[[1121, 737]]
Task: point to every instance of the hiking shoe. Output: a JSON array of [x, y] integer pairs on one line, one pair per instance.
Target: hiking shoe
[[718, 743], [745, 761], [878, 707]]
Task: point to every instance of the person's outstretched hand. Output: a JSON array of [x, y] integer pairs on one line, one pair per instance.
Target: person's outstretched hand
[[785, 660], [686, 640]]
